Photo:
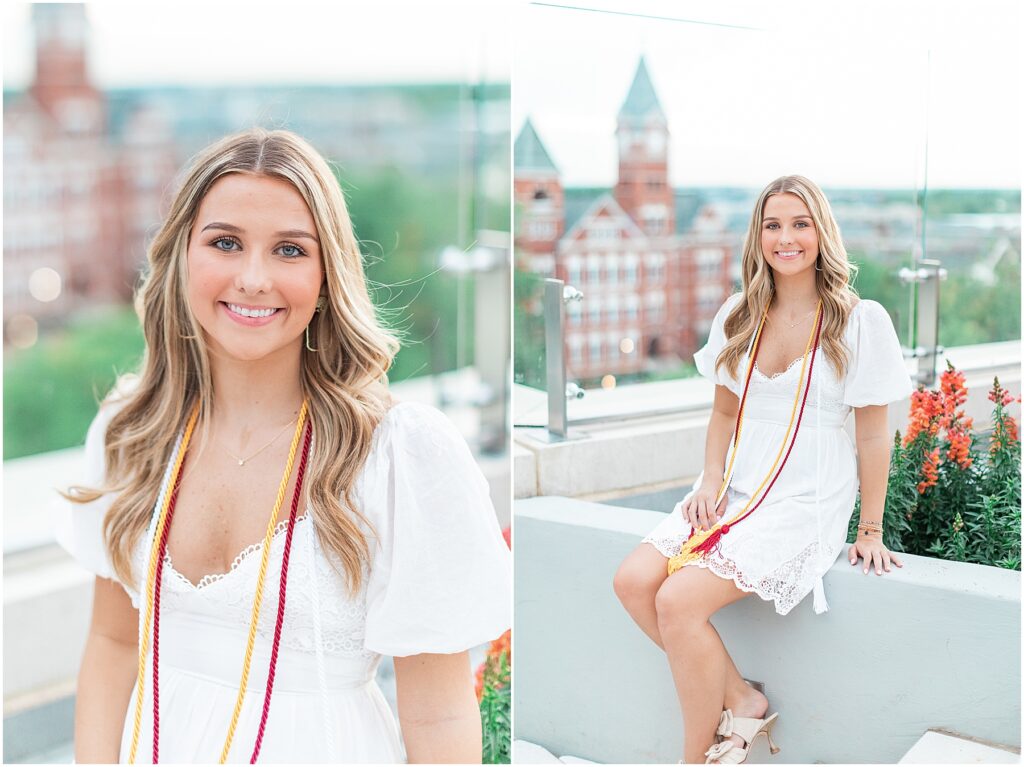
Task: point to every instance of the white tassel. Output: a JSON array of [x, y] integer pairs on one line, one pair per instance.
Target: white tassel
[[820, 605]]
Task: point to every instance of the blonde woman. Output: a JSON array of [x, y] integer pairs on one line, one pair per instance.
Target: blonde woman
[[791, 356], [263, 521]]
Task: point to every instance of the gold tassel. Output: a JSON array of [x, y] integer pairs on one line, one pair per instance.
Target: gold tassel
[[687, 553]]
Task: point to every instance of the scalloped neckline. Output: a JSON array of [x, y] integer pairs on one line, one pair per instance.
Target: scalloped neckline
[[212, 578], [781, 373]]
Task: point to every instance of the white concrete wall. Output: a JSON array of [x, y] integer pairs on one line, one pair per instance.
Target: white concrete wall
[[933, 645]]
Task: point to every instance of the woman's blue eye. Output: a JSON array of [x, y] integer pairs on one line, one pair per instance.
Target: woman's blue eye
[[225, 244], [291, 251]]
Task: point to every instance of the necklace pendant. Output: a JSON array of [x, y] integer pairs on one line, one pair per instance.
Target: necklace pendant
[[241, 462]]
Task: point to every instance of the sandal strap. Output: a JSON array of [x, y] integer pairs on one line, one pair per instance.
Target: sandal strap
[[725, 752]]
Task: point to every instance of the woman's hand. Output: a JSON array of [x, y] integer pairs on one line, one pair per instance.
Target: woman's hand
[[873, 551], [700, 509]]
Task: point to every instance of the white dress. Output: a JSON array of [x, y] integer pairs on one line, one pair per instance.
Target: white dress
[[781, 551], [439, 582]]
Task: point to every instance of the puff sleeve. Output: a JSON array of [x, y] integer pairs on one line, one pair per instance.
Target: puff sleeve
[[440, 575], [876, 374], [79, 528], [706, 356]]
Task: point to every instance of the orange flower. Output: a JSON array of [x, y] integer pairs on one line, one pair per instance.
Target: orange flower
[[501, 644], [959, 445], [930, 471], [925, 408], [953, 389]]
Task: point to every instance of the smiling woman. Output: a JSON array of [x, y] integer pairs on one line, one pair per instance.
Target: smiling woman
[[258, 323]]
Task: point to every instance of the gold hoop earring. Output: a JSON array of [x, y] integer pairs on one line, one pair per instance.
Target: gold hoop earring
[[321, 303]]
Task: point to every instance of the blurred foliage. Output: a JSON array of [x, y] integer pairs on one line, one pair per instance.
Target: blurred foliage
[[52, 390], [970, 312]]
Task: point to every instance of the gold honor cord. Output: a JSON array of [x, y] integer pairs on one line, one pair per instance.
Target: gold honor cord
[[739, 420], [151, 581], [689, 552], [254, 621]]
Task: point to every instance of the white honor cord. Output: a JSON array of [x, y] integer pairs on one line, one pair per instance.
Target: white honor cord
[[165, 488], [318, 638], [820, 605]]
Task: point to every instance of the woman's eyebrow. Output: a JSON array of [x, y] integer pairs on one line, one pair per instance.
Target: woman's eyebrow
[[773, 218], [238, 230], [297, 233]]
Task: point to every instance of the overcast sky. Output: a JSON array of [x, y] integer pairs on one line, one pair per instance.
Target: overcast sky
[[355, 41], [839, 91]]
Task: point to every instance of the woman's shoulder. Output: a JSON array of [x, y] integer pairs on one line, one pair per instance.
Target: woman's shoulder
[[416, 427], [869, 312], [730, 303]]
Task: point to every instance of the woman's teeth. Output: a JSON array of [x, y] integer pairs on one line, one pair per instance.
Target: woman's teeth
[[250, 312]]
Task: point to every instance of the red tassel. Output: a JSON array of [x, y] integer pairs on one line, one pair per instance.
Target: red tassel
[[708, 545]]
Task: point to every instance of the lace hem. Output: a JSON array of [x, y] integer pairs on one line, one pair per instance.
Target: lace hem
[[786, 586]]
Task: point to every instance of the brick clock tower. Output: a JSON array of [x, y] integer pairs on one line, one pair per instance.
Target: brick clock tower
[[61, 86], [643, 189]]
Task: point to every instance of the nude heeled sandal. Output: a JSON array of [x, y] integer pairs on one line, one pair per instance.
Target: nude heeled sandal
[[728, 752]]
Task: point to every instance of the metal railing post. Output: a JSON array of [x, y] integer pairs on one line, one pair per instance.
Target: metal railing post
[[927, 350], [554, 352]]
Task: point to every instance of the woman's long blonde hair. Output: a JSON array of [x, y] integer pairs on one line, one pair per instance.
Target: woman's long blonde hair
[[345, 380], [832, 277]]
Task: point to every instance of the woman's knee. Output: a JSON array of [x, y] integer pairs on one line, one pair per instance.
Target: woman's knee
[[633, 585], [679, 605]]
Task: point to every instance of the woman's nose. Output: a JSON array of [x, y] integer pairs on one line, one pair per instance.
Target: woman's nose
[[253, 276]]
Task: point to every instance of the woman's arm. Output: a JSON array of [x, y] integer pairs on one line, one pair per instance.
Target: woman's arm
[[108, 672], [700, 510], [438, 709], [873, 465]]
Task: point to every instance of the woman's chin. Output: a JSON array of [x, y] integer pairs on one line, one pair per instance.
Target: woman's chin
[[250, 350], [791, 268]]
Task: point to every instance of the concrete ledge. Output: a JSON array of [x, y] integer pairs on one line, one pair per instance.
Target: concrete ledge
[[524, 467], [934, 645]]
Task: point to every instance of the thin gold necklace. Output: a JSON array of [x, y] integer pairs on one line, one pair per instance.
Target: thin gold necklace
[[799, 322], [241, 461]]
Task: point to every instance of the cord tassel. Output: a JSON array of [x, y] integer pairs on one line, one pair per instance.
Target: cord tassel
[[820, 605]]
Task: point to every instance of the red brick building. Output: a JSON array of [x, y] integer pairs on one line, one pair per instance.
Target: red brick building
[[76, 200], [650, 292]]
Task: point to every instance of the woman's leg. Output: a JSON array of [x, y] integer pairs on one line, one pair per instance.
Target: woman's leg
[[698, 659], [637, 581]]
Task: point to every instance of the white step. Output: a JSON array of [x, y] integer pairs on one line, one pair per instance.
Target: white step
[[941, 747]]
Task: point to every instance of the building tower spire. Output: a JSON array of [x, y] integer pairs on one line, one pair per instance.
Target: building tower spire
[[643, 188]]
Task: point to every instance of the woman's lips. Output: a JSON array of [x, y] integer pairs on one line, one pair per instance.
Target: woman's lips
[[250, 316]]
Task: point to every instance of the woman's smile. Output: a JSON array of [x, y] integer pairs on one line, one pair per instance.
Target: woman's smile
[[253, 316]]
